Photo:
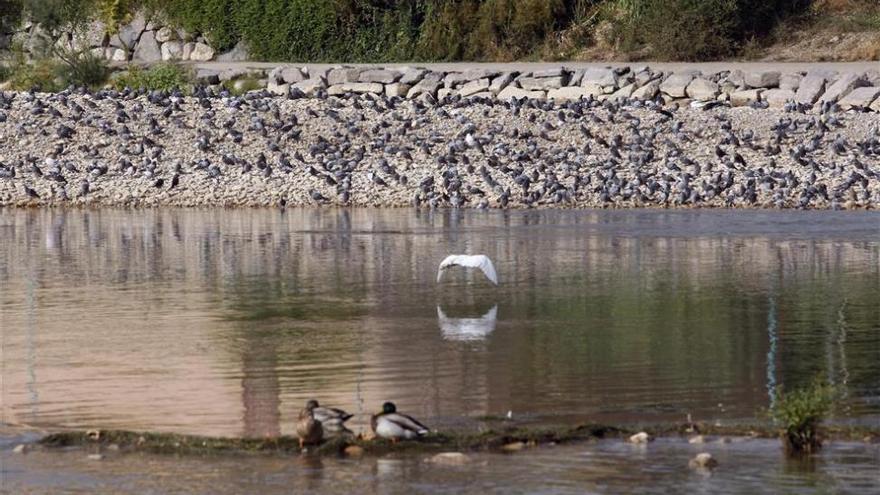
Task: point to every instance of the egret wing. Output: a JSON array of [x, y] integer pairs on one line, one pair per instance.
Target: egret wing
[[489, 269]]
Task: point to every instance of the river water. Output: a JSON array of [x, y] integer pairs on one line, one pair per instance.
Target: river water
[[224, 322]]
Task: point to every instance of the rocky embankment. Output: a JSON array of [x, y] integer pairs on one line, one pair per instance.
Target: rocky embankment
[[456, 144]]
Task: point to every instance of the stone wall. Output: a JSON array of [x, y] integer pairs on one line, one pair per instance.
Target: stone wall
[[142, 40], [766, 88]]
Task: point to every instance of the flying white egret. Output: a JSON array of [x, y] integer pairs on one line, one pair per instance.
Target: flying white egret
[[480, 261], [465, 329]]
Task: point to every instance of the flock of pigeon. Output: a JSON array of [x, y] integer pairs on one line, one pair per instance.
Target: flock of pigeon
[[137, 148]]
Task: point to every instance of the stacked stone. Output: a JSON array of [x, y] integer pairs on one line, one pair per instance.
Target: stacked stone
[[760, 89], [140, 40]]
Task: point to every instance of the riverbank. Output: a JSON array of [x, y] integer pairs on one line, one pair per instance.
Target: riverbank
[[130, 150], [493, 436]]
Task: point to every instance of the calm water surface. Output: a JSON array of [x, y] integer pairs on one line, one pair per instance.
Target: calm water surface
[[224, 322]]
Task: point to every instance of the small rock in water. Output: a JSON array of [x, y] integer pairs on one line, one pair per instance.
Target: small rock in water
[[451, 458], [95, 457], [513, 447], [20, 448], [703, 460], [354, 451], [641, 437], [697, 439]]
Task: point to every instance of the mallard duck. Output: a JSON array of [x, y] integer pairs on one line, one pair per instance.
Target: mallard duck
[[331, 419], [393, 425], [308, 429]]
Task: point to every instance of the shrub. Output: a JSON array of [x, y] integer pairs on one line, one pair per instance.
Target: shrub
[[800, 414], [678, 29], [81, 68], [165, 77]]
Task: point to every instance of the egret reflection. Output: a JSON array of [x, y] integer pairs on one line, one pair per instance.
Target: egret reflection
[[467, 329]]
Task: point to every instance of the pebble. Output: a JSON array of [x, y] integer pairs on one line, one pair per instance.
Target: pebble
[[703, 460], [354, 451], [451, 459], [640, 437], [513, 447]]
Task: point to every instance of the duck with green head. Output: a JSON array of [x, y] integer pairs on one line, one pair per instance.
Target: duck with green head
[[394, 426]]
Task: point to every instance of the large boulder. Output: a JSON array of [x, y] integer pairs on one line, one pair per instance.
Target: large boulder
[[512, 91], [130, 33], [842, 87], [292, 75], [501, 81], [746, 97], [777, 98], [355, 87], [790, 81], [90, 36], [412, 76], [541, 83], [165, 34], [239, 53], [763, 79], [201, 53], [568, 93], [172, 50], [310, 87], [810, 89], [147, 49], [676, 84], [860, 98], [702, 90], [648, 91], [397, 89], [599, 76], [474, 87], [343, 75], [379, 76]]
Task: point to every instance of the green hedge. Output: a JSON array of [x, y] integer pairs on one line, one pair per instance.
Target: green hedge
[[432, 30]]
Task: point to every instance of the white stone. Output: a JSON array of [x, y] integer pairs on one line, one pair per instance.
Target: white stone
[[129, 34], [343, 75], [860, 98], [568, 93], [310, 86], [810, 89], [599, 76], [397, 90], [624, 92], [187, 50], [172, 50], [412, 76], [359, 87], [763, 79], [842, 87], [201, 53], [500, 82], [379, 76], [165, 34], [279, 89], [474, 87], [790, 81], [116, 54], [648, 91], [745, 98], [513, 92], [292, 75], [451, 458], [702, 90], [676, 84], [640, 437], [540, 84], [703, 460], [777, 98]]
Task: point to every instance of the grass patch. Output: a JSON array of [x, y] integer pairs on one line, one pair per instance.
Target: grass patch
[[162, 77], [800, 413]]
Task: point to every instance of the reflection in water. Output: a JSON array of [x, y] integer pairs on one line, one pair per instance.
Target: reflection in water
[[226, 322], [465, 329]]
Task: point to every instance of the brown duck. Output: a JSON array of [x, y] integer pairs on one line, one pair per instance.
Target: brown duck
[[308, 429]]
